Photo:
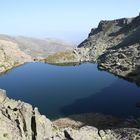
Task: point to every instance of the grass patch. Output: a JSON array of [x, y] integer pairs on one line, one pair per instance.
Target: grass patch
[[60, 57]]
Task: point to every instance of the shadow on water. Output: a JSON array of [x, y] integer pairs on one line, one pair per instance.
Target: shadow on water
[[66, 64], [63, 91], [109, 101]]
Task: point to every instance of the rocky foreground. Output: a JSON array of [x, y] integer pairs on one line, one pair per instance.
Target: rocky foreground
[[114, 45], [20, 121]]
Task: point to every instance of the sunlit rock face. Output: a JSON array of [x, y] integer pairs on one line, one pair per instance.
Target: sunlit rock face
[[107, 35], [18, 50], [20, 121], [115, 46], [124, 59], [38, 48], [11, 56]]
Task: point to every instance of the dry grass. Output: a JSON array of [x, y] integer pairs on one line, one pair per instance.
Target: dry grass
[[60, 57]]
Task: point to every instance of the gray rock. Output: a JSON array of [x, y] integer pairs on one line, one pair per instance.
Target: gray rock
[[11, 56], [2, 96], [15, 51], [19, 121], [102, 41], [115, 46], [38, 48]]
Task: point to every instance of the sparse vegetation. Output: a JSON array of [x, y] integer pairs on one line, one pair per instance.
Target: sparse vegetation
[[5, 135], [108, 26], [61, 56]]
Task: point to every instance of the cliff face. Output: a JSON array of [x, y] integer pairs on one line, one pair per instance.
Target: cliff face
[[106, 35], [123, 59], [115, 46], [112, 34], [38, 48], [73, 56], [20, 121]]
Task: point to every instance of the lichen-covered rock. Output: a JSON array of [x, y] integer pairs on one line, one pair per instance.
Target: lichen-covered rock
[[19, 121], [92, 133], [84, 133], [15, 51]]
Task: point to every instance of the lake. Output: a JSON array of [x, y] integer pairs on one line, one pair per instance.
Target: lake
[[59, 91]]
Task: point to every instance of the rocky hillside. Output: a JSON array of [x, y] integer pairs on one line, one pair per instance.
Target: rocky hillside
[[11, 56], [20, 121], [114, 45], [38, 48], [107, 35], [123, 59], [68, 57], [15, 51]]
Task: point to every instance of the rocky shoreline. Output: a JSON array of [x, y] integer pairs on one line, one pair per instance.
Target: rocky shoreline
[[20, 121], [115, 46], [15, 51]]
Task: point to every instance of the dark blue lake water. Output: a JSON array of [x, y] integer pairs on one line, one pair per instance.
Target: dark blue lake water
[[64, 90]]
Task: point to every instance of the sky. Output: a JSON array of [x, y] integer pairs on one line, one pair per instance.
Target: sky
[[69, 20]]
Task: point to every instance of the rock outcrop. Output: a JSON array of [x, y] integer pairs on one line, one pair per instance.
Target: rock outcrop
[[69, 57], [124, 62], [20, 121], [15, 51], [123, 59], [11, 56], [115, 46], [106, 35], [38, 48]]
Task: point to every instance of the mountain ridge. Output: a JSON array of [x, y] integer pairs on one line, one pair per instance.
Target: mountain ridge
[[38, 47], [113, 45], [19, 50]]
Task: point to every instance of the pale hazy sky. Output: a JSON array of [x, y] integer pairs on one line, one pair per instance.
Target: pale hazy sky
[[65, 19]]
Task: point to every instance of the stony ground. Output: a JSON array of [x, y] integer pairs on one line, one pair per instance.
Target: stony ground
[[20, 121], [11, 56]]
